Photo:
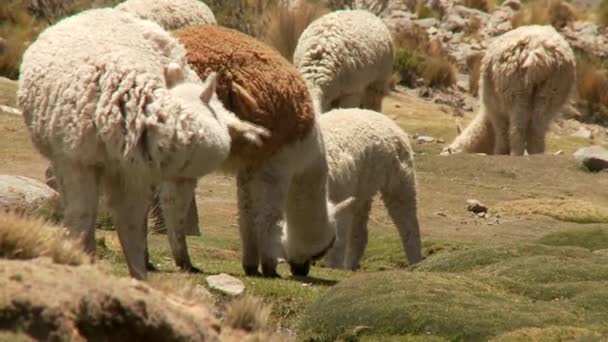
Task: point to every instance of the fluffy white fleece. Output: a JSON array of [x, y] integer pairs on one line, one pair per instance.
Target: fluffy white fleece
[[170, 14]]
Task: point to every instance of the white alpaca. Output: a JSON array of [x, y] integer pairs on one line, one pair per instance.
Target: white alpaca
[[288, 174], [347, 59], [170, 14], [526, 77], [368, 153], [108, 98]]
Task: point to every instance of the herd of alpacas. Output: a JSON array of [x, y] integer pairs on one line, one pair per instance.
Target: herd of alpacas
[[142, 100]]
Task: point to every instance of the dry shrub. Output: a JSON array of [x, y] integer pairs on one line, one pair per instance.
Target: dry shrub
[[182, 286], [248, 313], [417, 56], [482, 5], [423, 11], [28, 238], [472, 27], [544, 12], [602, 13], [592, 86], [474, 68], [18, 29], [242, 15], [285, 25]]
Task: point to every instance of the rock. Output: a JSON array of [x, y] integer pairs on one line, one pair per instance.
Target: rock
[[424, 139], [512, 4], [9, 110], [583, 133], [453, 23], [27, 195], [49, 301], [557, 153], [592, 158], [427, 22], [476, 207], [226, 284]]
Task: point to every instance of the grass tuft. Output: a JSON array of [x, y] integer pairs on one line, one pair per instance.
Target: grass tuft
[[592, 82], [558, 13], [569, 210], [248, 313], [285, 25], [28, 238]]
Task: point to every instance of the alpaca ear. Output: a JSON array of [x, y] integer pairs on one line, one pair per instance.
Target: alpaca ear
[[342, 207], [209, 87], [173, 74], [246, 102]]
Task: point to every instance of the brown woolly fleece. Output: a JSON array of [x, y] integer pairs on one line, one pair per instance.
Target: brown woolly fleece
[[275, 94]]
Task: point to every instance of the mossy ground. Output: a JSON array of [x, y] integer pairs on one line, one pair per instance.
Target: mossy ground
[[506, 288]]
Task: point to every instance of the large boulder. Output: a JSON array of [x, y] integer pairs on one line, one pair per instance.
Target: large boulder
[[592, 158], [28, 196]]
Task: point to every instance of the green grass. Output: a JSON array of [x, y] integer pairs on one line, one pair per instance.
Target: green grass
[[470, 295]]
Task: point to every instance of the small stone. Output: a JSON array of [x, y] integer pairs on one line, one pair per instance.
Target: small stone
[[476, 207], [226, 284], [27, 195], [583, 133], [560, 152], [592, 158], [424, 139]]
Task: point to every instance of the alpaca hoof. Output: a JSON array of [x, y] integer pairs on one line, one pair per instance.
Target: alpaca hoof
[[252, 271], [150, 267], [270, 272], [300, 270], [190, 269]]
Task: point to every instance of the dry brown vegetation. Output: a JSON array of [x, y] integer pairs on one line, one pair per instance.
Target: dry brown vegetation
[[285, 25], [558, 13], [417, 56], [482, 5], [602, 13], [248, 313], [592, 85], [28, 238]]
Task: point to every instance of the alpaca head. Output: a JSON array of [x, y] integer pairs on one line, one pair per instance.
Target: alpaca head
[[300, 265], [188, 135]]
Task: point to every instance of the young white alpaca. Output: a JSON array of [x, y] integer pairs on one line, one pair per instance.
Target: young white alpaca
[[347, 59], [526, 77], [368, 153], [109, 100], [288, 174]]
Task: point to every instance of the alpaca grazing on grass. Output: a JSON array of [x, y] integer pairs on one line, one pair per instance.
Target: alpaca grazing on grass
[[368, 153], [526, 77], [170, 14], [109, 100], [347, 59], [287, 176]]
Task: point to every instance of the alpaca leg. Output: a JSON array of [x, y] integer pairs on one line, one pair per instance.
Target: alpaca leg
[[336, 255], [129, 204], [357, 239], [268, 193], [536, 137], [79, 191], [400, 201], [518, 127], [176, 199], [500, 124], [250, 254], [351, 100]]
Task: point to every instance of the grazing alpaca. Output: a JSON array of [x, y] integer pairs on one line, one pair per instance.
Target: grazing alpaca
[[347, 59], [288, 174], [526, 77], [170, 14], [368, 153], [124, 113]]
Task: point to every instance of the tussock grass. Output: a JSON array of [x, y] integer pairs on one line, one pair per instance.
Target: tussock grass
[[285, 25], [482, 5], [27, 238], [416, 56], [602, 13], [569, 210], [248, 313], [556, 333], [592, 238], [558, 13], [592, 82], [184, 287]]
